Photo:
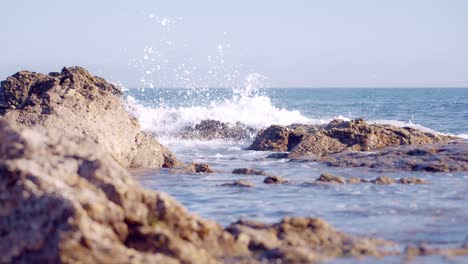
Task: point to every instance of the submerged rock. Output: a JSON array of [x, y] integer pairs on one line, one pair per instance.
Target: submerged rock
[[213, 129], [64, 200], [327, 178], [75, 103], [238, 183], [249, 171]]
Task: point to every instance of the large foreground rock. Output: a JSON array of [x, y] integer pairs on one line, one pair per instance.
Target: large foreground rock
[[76, 103], [64, 200]]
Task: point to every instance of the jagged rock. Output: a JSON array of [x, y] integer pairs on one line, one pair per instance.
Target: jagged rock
[[213, 129], [76, 103], [299, 240], [330, 178], [279, 138], [198, 168], [64, 200], [238, 183], [274, 180], [248, 171], [338, 136]]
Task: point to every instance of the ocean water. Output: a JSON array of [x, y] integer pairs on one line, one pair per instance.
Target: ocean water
[[436, 214]]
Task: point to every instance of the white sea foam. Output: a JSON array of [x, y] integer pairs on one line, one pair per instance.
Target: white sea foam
[[257, 112]]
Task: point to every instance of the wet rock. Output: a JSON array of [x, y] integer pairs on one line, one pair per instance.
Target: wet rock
[[213, 129], [357, 135], [423, 250], [302, 240], [446, 157], [274, 180], [330, 178], [353, 180], [238, 183], [338, 135], [75, 103], [383, 180], [248, 171], [198, 168], [280, 155], [411, 181], [279, 138], [65, 200]]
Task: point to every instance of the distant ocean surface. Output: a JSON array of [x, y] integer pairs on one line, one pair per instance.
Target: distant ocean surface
[[436, 214]]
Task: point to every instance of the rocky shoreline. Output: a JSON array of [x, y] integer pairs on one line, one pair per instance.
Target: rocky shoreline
[[66, 195]]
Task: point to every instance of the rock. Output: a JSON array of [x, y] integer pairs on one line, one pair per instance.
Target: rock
[[353, 180], [213, 129], [64, 200], [75, 103], [383, 180], [330, 178], [279, 155], [423, 250], [238, 183], [248, 171], [333, 179], [279, 138], [274, 180], [198, 168], [411, 181], [301, 240], [338, 136], [357, 135], [441, 157]]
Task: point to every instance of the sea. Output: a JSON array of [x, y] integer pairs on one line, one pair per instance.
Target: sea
[[435, 214]]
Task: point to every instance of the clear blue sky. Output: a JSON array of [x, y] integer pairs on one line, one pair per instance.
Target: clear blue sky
[[295, 43]]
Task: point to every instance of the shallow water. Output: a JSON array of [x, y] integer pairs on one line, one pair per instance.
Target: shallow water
[[408, 214]]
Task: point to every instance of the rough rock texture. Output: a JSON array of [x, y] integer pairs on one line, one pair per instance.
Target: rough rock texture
[[327, 178], [76, 103], [213, 129], [274, 180], [301, 240], [330, 178], [337, 136], [64, 200], [279, 138], [249, 171], [198, 168], [438, 157], [238, 183]]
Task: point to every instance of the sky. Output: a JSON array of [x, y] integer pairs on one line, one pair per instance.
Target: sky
[[218, 43]]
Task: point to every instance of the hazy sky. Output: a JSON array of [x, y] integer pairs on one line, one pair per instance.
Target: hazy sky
[[308, 43]]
